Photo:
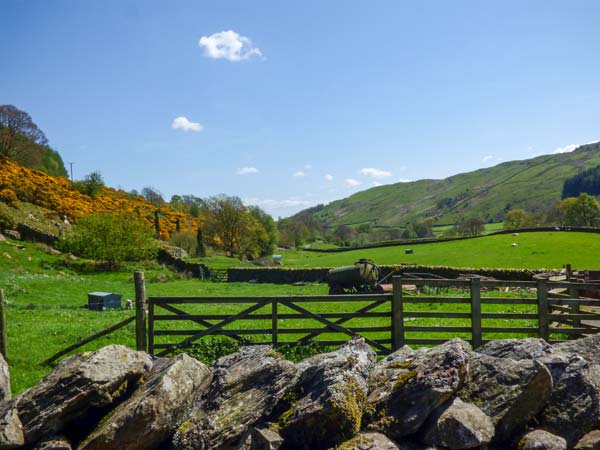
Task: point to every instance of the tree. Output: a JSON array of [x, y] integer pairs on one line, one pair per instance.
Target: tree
[[91, 185], [110, 238], [268, 245], [14, 126], [470, 227], [234, 229], [153, 196], [583, 211]]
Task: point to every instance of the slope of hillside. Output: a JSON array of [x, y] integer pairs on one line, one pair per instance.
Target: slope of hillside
[[531, 184], [57, 195]]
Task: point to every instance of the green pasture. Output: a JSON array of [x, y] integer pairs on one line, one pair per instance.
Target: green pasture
[[538, 250], [46, 294]]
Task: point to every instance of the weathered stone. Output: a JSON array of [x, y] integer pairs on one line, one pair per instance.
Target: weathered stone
[[2, 238], [458, 425], [156, 408], [368, 441], [542, 440], [11, 430], [4, 379], [510, 392], [590, 441], [574, 405], [588, 348], [76, 386], [13, 234], [325, 405], [265, 439], [246, 387], [55, 443], [407, 387]]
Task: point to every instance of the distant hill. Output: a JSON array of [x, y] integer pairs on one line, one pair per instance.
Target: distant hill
[[531, 184]]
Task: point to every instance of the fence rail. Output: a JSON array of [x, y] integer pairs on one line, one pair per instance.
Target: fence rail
[[384, 320]]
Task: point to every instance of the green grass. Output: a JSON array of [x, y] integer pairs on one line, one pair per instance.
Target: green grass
[[46, 296], [221, 262], [538, 250]]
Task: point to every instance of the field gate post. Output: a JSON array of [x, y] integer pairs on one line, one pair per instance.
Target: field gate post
[[397, 314], [3, 339], [476, 334], [542, 298], [274, 328], [140, 311], [574, 294]]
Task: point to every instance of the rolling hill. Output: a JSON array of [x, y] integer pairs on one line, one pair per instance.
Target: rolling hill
[[531, 184]]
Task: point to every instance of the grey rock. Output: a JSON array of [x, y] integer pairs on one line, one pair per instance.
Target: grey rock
[[2, 238], [406, 388], [510, 392], [11, 429], [55, 443], [13, 234], [590, 441], [155, 409], [4, 379], [265, 439], [574, 406], [458, 425], [246, 387], [542, 440], [325, 405], [588, 348], [369, 441], [76, 386]]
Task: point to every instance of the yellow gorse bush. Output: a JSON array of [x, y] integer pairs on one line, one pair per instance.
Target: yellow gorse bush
[[57, 194]]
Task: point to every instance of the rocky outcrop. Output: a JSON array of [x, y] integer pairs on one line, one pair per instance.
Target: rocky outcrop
[[542, 440], [406, 387], [155, 409], [77, 389], [458, 425], [327, 398], [509, 394], [573, 408], [246, 387]]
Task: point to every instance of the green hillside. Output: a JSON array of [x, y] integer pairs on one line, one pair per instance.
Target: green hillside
[[531, 184]]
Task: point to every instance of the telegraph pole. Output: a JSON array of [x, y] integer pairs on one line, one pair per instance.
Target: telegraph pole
[[71, 164]]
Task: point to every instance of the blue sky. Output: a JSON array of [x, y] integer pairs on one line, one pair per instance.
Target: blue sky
[[290, 104]]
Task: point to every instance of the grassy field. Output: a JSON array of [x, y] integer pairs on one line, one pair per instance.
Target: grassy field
[[46, 293], [548, 250]]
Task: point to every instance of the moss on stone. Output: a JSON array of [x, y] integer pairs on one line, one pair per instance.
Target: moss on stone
[[399, 365], [404, 378]]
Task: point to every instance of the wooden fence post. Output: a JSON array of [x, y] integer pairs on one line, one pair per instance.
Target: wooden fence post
[[274, 328], [542, 298], [140, 311], [397, 314], [476, 334], [3, 340]]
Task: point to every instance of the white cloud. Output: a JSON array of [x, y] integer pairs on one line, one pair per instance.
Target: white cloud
[[328, 177], [277, 204], [375, 173], [488, 158], [566, 149], [228, 45], [246, 170], [377, 183], [351, 182], [405, 180], [182, 123], [300, 173]]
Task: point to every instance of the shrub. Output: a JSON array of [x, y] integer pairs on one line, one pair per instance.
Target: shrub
[[186, 241], [110, 238], [8, 217], [91, 186]]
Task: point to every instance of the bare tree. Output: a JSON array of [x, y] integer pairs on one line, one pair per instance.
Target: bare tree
[[16, 126]]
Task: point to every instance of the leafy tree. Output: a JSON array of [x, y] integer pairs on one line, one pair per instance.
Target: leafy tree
[[200, 247], [91, 185], [587, 182], [470, 227], [344, 234], [582, 211], [153, 196], [110, 238], [268, 245], [14, 126], [292, 233]]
